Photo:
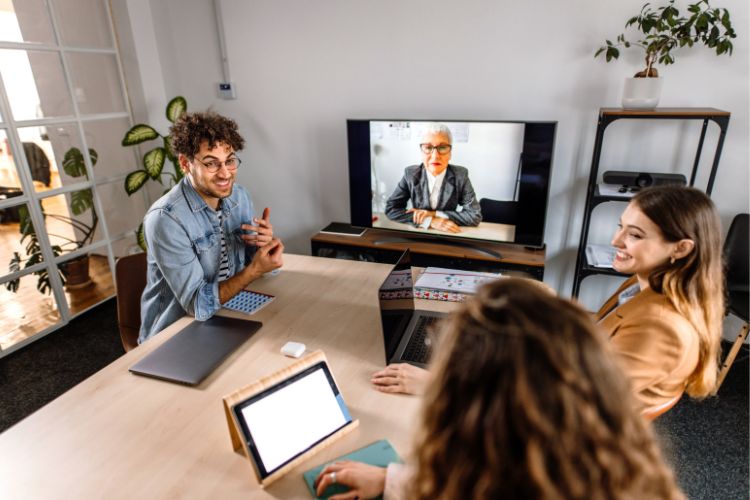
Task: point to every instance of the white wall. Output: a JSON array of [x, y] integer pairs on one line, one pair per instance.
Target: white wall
[[302, 68]]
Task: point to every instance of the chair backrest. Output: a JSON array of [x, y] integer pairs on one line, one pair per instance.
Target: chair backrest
[[736, 253], [501, 212], [652, 413], [130, 276]]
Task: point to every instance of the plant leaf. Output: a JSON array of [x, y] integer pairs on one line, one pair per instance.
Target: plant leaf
[[153, 162], [138, 134], [168, 148], [73, 164], [176, 108], [80, 201], [140, 237], [135, 181]]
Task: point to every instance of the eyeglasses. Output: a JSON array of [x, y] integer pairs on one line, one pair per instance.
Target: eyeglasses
[[213, 166], [441, 149]]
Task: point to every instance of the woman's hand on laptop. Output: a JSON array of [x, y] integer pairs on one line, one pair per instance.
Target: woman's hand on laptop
[[401, 378]]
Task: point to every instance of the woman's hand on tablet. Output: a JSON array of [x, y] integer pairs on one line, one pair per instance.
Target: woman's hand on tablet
[[401, 378], [365, 481]]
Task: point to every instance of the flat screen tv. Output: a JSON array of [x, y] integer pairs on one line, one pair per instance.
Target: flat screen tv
[[492, 178]]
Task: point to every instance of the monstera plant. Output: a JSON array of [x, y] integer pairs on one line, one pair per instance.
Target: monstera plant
[[75, 271], [154, 159]]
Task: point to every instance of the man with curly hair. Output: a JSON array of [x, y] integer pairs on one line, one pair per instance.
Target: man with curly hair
[[204, 245]]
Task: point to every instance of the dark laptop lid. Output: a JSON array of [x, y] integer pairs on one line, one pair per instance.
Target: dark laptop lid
[[396, 297], [196, 350]]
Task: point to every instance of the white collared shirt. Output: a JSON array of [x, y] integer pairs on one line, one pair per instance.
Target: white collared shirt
[[434, 183]]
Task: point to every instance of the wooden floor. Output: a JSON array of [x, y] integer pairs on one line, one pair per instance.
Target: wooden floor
[[27, 312]]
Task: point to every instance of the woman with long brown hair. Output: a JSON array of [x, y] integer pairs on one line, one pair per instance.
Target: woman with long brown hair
[[523, 401], [665, 321]]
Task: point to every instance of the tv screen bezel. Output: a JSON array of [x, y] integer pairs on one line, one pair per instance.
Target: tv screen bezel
[[533, 198]]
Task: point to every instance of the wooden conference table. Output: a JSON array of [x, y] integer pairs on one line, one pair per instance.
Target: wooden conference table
[[118, 435]]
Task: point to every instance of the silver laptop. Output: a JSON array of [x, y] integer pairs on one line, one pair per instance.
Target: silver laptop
[[407, 331], [196, 350]]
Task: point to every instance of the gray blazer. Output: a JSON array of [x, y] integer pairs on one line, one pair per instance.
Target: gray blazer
[[457, 198]]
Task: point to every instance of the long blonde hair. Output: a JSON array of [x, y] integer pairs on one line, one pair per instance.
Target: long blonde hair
[[526, 402], [694, 284]]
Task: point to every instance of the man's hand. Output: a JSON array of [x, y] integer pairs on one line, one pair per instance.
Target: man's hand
[[365, 481], [401, 378], [446, 225], [263, 228], [268, 257], [419, 215]]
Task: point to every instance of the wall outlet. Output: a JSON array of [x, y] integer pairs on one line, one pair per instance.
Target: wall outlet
[[226, 90]]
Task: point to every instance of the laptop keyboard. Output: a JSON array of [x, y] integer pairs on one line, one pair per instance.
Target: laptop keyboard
[[418, 349]]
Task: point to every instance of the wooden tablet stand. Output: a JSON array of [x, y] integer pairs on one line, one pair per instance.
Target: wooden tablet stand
[[243, 394]]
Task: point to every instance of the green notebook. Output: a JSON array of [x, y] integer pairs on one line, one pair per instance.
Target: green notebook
[[379, 453]]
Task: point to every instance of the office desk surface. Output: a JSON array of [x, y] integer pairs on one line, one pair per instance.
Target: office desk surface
[[118, 435]]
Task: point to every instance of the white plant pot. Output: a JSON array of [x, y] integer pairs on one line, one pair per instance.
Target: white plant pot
[[641, 93]]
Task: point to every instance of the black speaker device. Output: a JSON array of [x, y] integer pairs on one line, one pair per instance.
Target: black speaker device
[[643, 179]]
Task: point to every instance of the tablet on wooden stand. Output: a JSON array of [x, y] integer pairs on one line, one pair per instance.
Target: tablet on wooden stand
[[288, 416]]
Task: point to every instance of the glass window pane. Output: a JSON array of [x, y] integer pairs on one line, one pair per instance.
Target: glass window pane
[[83, 23], [26, 312], [25, 21], [88, 280], [122, 212], [47, 149], [105, 137], [14, 243], [71, 220], [8, 170], [35, 84], [96, 83]]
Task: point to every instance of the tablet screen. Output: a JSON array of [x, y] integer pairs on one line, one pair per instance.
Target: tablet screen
[[291, 417]]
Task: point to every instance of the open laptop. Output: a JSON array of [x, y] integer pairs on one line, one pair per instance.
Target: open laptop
[[405, 328], [196, 350]]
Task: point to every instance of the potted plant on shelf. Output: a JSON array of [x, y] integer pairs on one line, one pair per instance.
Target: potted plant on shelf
[[662, 31], [154, 159], [75, 272]]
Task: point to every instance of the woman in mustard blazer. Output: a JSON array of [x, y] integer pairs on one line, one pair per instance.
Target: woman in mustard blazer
[[664, 322]]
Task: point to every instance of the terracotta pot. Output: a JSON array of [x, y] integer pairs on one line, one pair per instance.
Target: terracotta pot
[[76, 273]]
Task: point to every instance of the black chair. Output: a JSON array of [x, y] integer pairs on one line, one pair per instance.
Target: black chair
[[501, 212], [738, 283]]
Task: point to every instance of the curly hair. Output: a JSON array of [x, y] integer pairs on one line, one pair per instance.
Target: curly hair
[[526, 402], [192, 129], [693, 284]]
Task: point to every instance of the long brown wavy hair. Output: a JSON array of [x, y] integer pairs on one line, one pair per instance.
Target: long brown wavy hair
[[526, 402], [693, 284]]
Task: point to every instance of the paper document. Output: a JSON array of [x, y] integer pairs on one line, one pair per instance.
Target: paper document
[[600, 255], [453, 280]]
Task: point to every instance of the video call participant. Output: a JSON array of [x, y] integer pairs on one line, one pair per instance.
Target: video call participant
[[524, 401], [441, 194], [201, 246], [665, 321]]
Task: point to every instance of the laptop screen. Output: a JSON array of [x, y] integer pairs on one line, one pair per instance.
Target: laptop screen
[[396, 296], [289, 418]]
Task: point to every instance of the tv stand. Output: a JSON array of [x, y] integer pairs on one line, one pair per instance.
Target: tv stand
[[386, 246], [440, 241]]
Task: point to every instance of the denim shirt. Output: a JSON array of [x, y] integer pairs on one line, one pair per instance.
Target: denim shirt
[[184, 252]]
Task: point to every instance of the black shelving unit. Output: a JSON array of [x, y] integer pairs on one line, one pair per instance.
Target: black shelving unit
[[593, 196]]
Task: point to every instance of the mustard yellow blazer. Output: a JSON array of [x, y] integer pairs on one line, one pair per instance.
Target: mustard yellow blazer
[[657, 347]]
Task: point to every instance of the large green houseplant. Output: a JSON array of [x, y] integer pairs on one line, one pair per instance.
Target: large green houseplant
[[663, 29], [83, 233], [154, 159]]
